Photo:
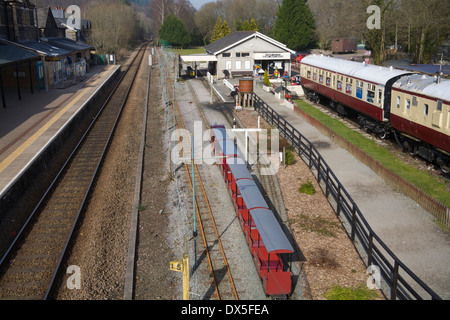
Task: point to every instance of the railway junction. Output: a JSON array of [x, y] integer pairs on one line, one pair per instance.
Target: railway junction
[[157, 207]]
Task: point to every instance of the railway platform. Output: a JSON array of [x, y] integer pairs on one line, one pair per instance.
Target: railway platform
[[30, 125], [404, 226]]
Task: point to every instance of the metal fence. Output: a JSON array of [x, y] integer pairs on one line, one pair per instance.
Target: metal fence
[[390, 275]]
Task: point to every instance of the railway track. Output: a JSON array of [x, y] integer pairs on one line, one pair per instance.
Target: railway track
[[221, 278], [31, 266]]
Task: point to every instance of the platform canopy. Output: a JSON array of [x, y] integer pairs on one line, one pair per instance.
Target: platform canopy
[[201, 57]]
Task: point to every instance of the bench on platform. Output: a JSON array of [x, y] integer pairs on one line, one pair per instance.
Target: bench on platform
[[236, 74]]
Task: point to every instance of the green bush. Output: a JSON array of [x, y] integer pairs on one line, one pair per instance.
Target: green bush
[[266, 79], [307, 188], [289, 157]]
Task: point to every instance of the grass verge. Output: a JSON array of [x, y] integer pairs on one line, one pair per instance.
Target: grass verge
[[343, 293], [193, 50], [423, 180]]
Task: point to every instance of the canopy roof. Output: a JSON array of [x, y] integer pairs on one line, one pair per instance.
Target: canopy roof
[[250, 193], [269, 229], [238, 168], [11, 54]]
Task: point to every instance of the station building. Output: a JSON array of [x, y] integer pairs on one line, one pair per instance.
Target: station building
[[35, 51], [245, 53]]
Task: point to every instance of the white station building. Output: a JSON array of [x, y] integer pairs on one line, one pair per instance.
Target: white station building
[[244, 53]]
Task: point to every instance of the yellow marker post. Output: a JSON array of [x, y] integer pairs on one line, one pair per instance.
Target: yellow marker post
[[182, 265]]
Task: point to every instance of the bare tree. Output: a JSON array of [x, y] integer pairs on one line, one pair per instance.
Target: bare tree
[[114, 26]]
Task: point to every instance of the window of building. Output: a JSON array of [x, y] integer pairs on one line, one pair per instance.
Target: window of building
[[245, 54], [247, 65], [238, 54], [226, 55], [238, 65]]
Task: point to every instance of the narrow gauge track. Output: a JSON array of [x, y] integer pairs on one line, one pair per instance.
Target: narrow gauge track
[[30, 267], [222, 279]]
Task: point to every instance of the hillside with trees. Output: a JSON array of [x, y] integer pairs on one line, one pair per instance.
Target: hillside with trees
[[416, 27]]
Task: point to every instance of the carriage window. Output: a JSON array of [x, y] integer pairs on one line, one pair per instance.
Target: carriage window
[[398, 101], [328, 81], [380, 95], [414, 101], [370, 96], [315, 76], [321, 78], [348, 89], [309, 74], [439, 105], [339, 85], [359, 92], [408, 103], [425, 109]]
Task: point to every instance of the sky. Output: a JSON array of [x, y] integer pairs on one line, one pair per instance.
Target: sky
[[198, 3]]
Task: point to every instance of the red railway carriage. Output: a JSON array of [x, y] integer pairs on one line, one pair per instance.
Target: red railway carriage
[[266, 240], [416, 108], [361, 87]]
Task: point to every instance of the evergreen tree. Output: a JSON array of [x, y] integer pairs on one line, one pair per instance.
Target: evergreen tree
[[221, 29], [216, 33], [253, 26], [246, 25], [225, 29], [295, 25], [174, 32]]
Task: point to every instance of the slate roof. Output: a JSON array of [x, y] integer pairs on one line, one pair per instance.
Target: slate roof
[[235, 38], [10, 54], [227, 41]]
